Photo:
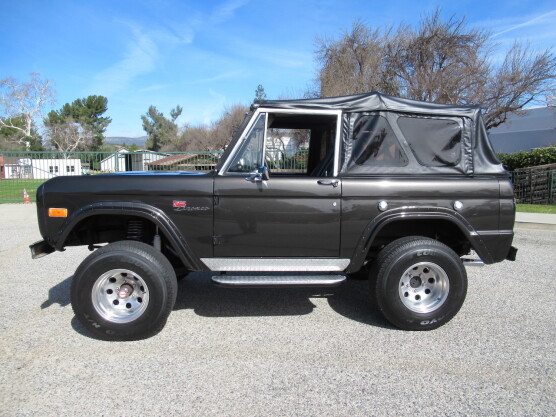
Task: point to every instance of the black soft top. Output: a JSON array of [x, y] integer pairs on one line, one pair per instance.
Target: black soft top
[[374, 101], [477, 156]]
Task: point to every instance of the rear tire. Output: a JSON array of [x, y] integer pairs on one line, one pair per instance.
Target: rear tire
[[124, 291], [420, 283]]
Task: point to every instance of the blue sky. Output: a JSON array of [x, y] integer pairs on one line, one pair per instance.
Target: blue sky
[[205, 55]]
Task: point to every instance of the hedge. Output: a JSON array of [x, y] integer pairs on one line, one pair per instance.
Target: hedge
[[522, 159]]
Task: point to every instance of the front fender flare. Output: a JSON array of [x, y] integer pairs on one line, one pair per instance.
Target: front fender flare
[[154, 214]]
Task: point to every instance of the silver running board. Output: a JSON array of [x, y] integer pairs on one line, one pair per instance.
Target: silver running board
[[278, 281], [472, 262], [276, 264]]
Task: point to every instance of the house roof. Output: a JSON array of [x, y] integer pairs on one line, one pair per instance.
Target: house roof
[[11, 160], [530, 128], [175, 159], [123, 150], [540, 118]]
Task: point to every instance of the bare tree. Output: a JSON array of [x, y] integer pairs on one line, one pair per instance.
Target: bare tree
[[24, 102], [226, 127], [524, 77], [192, 138], [68, 136], [355, 63], [214, 137], [442, 61]]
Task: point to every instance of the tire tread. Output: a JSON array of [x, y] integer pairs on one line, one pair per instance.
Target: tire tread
[[150, 255], [389, 255]]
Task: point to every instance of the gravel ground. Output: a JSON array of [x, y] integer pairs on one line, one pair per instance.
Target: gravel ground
[[247, 352]]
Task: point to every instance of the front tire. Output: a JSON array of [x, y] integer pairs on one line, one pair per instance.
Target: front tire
[[124, 291], [420, 283]]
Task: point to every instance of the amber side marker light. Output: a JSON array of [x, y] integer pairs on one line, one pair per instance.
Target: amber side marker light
[[57, 212]]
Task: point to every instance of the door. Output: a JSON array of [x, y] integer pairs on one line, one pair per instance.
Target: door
[[291, 214]]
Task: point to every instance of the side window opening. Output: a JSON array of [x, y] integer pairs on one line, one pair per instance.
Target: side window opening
[[300, 144], [435, 142], [287, 150]]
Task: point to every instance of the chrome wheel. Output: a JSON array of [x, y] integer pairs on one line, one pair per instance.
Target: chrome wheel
[[424, 287], [120, 296]]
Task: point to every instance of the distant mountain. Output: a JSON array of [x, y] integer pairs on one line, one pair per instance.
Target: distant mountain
[[125, 141]]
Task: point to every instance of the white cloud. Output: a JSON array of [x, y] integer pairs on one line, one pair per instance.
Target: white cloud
[[534, 21], [143, 54], [223, 76], [270, 54], [140, 57], [226, 10]]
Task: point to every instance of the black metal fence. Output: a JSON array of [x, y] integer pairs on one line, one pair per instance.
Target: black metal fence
[[22, 172], [534, 186]]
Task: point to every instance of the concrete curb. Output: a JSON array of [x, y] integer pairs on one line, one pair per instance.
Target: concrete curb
[[537, 221], [535, 226]]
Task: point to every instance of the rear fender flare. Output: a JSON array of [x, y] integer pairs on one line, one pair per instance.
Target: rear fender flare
[[374, 227]]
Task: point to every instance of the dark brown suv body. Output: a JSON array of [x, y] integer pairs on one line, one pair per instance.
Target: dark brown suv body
[[325, 187]]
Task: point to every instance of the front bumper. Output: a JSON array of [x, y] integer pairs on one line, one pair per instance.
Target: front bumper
[[40, 249]]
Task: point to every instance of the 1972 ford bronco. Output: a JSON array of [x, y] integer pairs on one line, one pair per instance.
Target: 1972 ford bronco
[[399, 188]]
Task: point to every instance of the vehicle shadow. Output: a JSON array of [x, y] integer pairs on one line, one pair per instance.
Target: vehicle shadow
[[197, 292], [59, 294], [351, 299]]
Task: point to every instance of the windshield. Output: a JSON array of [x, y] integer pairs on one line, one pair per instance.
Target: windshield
[[249, 156]]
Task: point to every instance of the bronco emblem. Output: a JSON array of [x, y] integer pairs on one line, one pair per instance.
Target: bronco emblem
[[179, 204]]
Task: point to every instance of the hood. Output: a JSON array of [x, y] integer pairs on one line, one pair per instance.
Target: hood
[[164, 173]]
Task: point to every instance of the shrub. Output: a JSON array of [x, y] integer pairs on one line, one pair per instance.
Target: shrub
[[522, 159]]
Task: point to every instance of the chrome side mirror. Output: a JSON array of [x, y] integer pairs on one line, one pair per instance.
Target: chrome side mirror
[[262, 174], [265, 173]]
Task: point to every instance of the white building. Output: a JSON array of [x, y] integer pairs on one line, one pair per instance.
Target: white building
[[40, 168], [124, 160], [531, 128]]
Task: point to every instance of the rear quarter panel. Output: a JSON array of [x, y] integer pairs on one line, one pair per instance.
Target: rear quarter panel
[[480, 198]]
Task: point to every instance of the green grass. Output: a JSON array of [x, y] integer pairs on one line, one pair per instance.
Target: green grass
[[11, 190], [536, 208]]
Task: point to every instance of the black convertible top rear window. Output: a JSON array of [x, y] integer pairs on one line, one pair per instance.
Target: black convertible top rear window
[[435, 142], [373, 143]]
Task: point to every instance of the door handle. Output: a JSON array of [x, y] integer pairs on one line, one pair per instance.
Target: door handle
[[333, 183]]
